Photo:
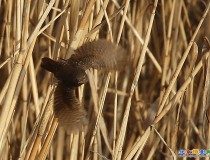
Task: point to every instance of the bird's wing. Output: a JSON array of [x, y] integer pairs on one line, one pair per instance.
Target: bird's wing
[[98, 54], [69, 112]]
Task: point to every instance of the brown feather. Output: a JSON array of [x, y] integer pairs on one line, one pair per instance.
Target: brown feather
[[71, 115], [99, 54]]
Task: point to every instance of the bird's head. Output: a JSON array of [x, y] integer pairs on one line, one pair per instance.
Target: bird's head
[[75, 78]]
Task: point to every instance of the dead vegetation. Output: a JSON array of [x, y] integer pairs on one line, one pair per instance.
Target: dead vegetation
[[156, 106]]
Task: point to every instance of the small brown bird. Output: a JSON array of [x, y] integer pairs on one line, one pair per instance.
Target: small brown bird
[[71, 73]]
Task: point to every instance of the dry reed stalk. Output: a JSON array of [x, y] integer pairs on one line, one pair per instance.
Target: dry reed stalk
[[179, 67], [122, 122], [180, 91], [120, 140], [42, 125], [44, 150], [141, 41], [166, 50], [82, 24], [101, 104], [7, 111], [13, 82]]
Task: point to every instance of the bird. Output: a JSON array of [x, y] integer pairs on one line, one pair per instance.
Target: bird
[[71, 73]]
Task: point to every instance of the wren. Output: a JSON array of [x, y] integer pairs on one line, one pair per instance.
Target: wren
[[71, 73]]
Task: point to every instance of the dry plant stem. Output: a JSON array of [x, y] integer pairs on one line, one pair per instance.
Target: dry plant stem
[[96, 110], [18, 25], [189, 95], [75, 147], [60, 139], [34, 86], [173, 154], [60, 32], [198, 93], [122, 99], [73, 19], [3, 27], [98, 24], [24, 152], [174, 39], [101, 120], [119, 93], [175, 135], [196, 130], [194, 54], [13, 55], [24, 123], [121, 137], [41, 21], [104, 132], [118, 40], [7, 111], [4, 89], [98, 146], [17, 79], [5, 62], [82, 145], [166, 50], [25, 27], [186, 16], [101, 104], [51, 22], [107, 19], [131, 141], [206, 101], [164, 21], [34, 141], [55, 8], [139, 144], [115, 113], [100, 16], [40, 8], [206, 95], [44, 150], [36, 144], [8, 39], [18, 88], [156, 64], [181, 90], [123, 20], [86, 14], [183, 33], [82, 25], [156, 143], [51, 38], [42, 126], [67, 29], [179, 67]]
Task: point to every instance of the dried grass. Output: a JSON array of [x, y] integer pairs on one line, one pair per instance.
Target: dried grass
[[156, 106]]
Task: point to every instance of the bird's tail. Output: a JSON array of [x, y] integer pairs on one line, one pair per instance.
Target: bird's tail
[[68, 110]]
